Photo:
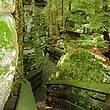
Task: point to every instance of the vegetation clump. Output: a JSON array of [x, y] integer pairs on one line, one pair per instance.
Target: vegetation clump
[[91, 41], [33, 60], [82, 65]]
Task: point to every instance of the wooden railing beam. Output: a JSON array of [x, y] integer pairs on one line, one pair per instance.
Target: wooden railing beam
[[94, 87]]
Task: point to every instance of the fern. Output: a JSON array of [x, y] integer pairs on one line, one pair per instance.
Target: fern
[[94, 41]]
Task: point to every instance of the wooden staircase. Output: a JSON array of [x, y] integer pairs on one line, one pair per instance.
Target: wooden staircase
[[61, 93]]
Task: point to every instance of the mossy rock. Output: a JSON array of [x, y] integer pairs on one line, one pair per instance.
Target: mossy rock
[[81, 64]]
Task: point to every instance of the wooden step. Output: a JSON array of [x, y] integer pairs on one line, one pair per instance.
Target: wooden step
[[41, 105]]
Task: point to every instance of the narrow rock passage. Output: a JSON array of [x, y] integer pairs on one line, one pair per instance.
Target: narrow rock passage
[[40, 92]]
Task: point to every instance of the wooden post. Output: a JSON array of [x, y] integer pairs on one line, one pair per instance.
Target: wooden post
[[105, 22]]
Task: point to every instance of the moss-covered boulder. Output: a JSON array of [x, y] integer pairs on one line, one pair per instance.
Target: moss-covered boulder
[[8, 56], [83, 65]]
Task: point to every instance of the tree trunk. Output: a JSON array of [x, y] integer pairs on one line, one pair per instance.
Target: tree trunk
[[19, 27], [105, 9], [70, 5], [106, 36]]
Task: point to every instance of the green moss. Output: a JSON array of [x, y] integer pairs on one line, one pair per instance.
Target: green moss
[[81, 64], [34, 37], [5, 36], [91, 41], [7, 46], [34, 60]]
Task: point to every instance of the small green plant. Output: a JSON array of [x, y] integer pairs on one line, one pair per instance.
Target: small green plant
[[91, 41], [91, 13]]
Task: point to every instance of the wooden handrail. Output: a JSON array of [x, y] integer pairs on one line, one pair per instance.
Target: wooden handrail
[[76, 97], [66, 103], [94, 87], [56, 93], [26, 100]]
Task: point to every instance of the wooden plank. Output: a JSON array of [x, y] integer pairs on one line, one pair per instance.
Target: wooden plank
[[34, 72], [53, 52], [75, 97], [36, 82], [37, 78], [65, 103], [38, 70], [11, 103], [26, 100], [107, 99], [94, 87]]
